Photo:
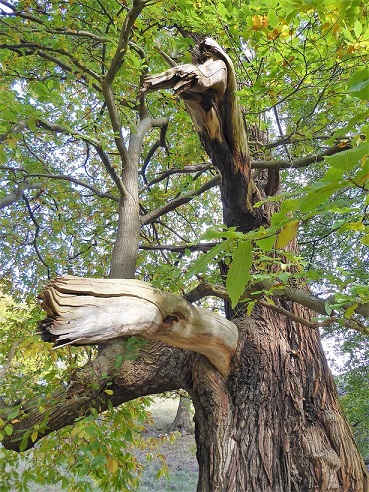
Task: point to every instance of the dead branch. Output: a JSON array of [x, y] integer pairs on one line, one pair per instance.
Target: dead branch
[[84, 311]]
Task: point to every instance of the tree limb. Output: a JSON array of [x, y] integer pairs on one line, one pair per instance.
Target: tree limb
[[115, 64], [297, 163], [181, 200], [205, 289], [17, 194], [156, 368], [37, 48], [27, 49], [309, 300], [180, 248], [17, 128], [123, 42], [54, 127], [160, 143], [70, 32], [299, 296], [194, 168], [78, 182], [348, 323], [57, 128], [37, 230], [84, 311], [137, 137], [293, 164]]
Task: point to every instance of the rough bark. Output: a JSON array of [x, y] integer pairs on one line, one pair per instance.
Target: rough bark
[[215, 112], [275, 425], [157, 368]]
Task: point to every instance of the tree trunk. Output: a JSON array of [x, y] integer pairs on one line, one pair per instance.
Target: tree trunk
[[183, 421], [267, 416], [270, 422], [275, 425]]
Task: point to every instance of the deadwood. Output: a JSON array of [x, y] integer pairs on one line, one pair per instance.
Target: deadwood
[[209, 89], [84, 311]]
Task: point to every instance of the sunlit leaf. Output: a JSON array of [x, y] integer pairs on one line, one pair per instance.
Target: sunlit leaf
[[8, 429], [288, 233], [239, 271], [359, 84], [358, 28], [112, 465]]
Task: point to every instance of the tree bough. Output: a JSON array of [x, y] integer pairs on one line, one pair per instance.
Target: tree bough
[[85, 311]]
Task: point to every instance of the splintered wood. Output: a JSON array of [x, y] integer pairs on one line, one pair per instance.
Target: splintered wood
[[87, 311]]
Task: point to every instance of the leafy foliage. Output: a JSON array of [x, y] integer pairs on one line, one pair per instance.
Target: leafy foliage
[[303, 78]]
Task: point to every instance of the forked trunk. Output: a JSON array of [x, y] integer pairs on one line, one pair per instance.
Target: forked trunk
[[276, 424], [267, 416]]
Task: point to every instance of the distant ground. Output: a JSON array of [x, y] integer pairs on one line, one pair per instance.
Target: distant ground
[[180, 456]]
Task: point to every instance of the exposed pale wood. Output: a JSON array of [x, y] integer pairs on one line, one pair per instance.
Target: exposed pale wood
[[201, 86], [208, 87], [84, 311]]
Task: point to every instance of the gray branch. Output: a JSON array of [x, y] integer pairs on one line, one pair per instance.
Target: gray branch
[[17, 194], [181, 200], [297, 163], [299, 296]]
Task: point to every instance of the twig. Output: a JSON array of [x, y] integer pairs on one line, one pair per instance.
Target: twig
[[37, 230]]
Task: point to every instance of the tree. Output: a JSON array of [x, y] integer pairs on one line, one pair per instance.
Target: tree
[[78, 118]]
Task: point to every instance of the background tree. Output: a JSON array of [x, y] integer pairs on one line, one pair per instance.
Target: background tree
[[81, 143]]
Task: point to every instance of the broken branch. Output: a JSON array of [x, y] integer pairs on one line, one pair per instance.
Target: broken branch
[[83, 311]]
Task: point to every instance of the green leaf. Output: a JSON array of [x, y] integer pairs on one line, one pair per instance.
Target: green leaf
[[346, 160], [222, 10], [358, 28], [288, 233], [24, 443], [358, 84], [239, 271], [201, 264], [350, 311], [352, 226], [34, 435], [365, 36], [8, 429], [266, 244], [3, 156], [32, 124], [317, 196], [328, 308]]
